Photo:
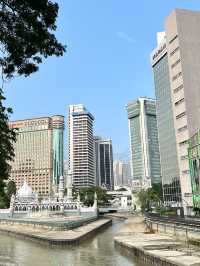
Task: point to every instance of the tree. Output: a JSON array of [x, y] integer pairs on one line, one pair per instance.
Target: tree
[[87, 196], [7, 137], [143, 200], [150, 197], [10, 189], [26, 37]]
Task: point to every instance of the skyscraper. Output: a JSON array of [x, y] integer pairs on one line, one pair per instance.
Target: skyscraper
[[81, 148], [165, 121], [183, 58], [122, 173], [38, 153], [145, 157], [103, 163]]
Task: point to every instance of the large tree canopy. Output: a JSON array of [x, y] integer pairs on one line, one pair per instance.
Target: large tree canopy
[[26, 35]]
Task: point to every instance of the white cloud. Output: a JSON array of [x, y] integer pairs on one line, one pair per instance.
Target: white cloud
[[124, 36]]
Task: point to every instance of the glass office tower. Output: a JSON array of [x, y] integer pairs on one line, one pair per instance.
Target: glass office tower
[[145, 157], [103, 163], [166, 131]]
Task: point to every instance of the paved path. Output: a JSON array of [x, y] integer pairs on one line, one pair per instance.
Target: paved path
[[155, 247], [54, 236]]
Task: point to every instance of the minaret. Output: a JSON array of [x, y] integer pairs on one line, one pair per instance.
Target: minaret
[[69, 186], [61, 188]]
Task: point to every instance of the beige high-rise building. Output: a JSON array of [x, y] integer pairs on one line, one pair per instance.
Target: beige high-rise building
[[81, 148], [182, 44], [38, 153]]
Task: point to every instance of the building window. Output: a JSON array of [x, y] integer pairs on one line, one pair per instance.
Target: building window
[[181, 115], [181, 129], [174, 51], [179, 102], [176, 76], [176, 63], [173, 39], [178, 88]]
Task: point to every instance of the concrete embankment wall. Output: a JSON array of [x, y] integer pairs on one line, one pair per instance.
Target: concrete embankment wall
[[59, 237], [183, 233], [141, 255]]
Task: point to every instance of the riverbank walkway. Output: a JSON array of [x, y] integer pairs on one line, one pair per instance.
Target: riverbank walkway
[[155, 249]]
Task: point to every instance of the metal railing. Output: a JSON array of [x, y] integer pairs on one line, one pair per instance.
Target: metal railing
[[191, 222]]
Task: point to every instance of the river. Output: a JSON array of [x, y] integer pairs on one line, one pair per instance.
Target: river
[[97, 251]]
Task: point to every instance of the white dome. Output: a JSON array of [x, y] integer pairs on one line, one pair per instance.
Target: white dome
[[25, 191]]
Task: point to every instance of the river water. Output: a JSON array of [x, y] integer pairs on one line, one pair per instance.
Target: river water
[[97, 251]]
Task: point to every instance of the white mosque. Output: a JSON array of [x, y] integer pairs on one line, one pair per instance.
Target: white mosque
[[27, 203]]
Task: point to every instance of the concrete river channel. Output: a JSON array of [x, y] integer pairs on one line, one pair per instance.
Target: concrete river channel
[[96, 251]]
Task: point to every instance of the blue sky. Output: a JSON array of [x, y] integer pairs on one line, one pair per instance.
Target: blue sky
[[106, 64]]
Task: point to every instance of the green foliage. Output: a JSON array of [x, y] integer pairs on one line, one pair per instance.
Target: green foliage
[[10, 189], [168, 212], [157, 188], [143, 200], [196, 211], [150, 197], [26, 35], [87, 196], [7, 137]]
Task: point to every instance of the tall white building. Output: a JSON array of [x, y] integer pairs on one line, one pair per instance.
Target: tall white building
[[81, 148], [122, 173], [103, 162]]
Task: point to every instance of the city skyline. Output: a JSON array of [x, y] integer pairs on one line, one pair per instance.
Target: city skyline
[[82, 68], [100, 160]]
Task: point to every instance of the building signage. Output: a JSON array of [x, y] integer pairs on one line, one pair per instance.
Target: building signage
[[158, 53], [27, 123]]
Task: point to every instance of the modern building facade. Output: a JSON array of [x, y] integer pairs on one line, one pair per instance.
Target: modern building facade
[[165, 122], [122, 173], [183, 44], [103, 157], [38, 153], [143, 134], [81, 146]]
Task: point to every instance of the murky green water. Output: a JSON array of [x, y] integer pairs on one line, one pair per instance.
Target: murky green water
[[98, 251]]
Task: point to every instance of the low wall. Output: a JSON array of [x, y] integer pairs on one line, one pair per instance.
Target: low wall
[[52, 225]]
